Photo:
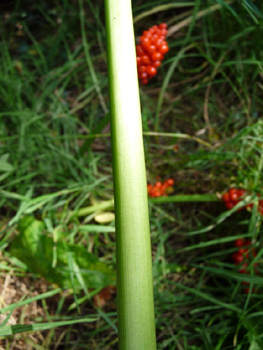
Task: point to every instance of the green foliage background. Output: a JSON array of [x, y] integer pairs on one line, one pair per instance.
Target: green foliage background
[[55, 159]]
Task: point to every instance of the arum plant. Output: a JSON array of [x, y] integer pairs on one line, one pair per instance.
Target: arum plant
[[136, 324]]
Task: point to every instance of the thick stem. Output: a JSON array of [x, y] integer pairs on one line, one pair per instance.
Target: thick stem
[[136, 323]]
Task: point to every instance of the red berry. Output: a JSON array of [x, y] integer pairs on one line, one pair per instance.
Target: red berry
[[139, 50], [139, 60], [155, 28], [149, 187], [146, 34], [145, 59], [143, 75], [145, 41], [156, 64], [233, 193], [159, 192], [170, 182], [154, 37], [142, 69], [158, 42], [151, 49], [153, 192], [158, 184], [249, 206], [244, 266], [146, 47], [238, 258], [247, 290], [260, 206], [164, 32], [240, 192], [163, 49], [244, 252], [239, 242], [151, 71], [164, 186], [156, 56], [245, 283], [230, 205], [144, 81], [163, 26], [226, 197]]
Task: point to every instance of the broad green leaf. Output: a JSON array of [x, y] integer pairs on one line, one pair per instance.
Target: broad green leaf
[[34, 247]]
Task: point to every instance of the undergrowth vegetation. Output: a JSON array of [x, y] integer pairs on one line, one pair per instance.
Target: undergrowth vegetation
[[202, 123]]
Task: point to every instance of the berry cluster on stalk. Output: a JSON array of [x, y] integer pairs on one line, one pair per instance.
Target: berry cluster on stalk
[[235, 195], [243, 257], [150, 52], [232, 197], [160, 189]]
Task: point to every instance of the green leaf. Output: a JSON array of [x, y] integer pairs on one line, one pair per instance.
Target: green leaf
[[96, 228], [253, 325], [20, 303], [4, 165], [34, 247], [20, 328], [251, 7], [254, 346]]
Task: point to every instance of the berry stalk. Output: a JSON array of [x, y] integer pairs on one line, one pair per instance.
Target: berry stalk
[[136, 324]]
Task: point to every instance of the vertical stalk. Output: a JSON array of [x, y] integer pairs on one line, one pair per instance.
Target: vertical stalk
[[136, 323]]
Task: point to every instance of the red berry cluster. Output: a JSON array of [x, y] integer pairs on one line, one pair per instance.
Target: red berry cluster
[[150, 52], [235, 195], [232, 197], [160, 189], [243, 257]]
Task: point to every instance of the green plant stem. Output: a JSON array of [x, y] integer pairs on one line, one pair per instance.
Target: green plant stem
[[178, 135], [181, 198], [136, 324], [90, 138], [109, 205]]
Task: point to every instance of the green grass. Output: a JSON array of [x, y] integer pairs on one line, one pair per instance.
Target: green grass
[[55, 165]]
